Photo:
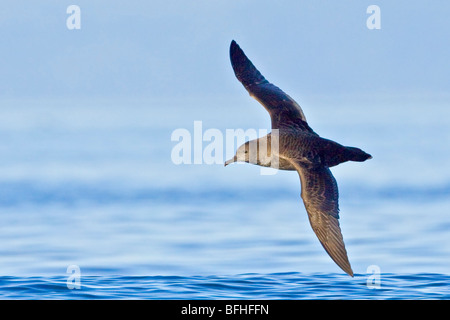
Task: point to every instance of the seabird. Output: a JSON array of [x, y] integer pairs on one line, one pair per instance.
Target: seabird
[[299, 149]]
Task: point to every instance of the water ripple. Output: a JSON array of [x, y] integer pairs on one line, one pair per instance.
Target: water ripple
[[273, 286]]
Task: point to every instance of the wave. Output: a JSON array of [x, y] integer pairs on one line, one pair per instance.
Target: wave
[[242, 286]]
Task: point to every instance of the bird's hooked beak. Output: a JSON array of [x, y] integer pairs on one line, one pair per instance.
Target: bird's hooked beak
[[234, 159]]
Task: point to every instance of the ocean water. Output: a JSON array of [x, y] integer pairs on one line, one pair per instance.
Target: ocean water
[[274, 286], [92, 185]]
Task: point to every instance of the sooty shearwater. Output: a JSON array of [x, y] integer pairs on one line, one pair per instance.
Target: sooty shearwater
[[298, 148]]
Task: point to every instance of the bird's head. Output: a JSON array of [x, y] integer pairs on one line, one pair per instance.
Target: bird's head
[[244, 153]]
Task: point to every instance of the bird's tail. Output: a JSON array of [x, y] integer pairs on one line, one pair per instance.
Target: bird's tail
[[337, 154], [356, 154]]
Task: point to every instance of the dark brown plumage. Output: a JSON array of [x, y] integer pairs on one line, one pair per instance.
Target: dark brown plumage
[[300, 149]]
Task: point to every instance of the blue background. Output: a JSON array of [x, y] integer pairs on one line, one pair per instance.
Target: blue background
[[86, 118]]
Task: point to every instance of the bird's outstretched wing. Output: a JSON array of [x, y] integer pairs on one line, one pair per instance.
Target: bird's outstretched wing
[[283, 110], [320, 196]]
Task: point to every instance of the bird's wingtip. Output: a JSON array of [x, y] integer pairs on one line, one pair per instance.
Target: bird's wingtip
[[347, 269], [233, 46]]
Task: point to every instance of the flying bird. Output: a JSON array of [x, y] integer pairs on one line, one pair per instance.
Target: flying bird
[[299, 149]]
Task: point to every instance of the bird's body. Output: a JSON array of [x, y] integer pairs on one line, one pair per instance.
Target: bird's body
[[311, 151], [298, 148]]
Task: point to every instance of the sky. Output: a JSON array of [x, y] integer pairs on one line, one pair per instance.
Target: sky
[[179, 49]]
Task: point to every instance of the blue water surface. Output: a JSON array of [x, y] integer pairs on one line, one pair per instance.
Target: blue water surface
[[92, 184], [284, 286]]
